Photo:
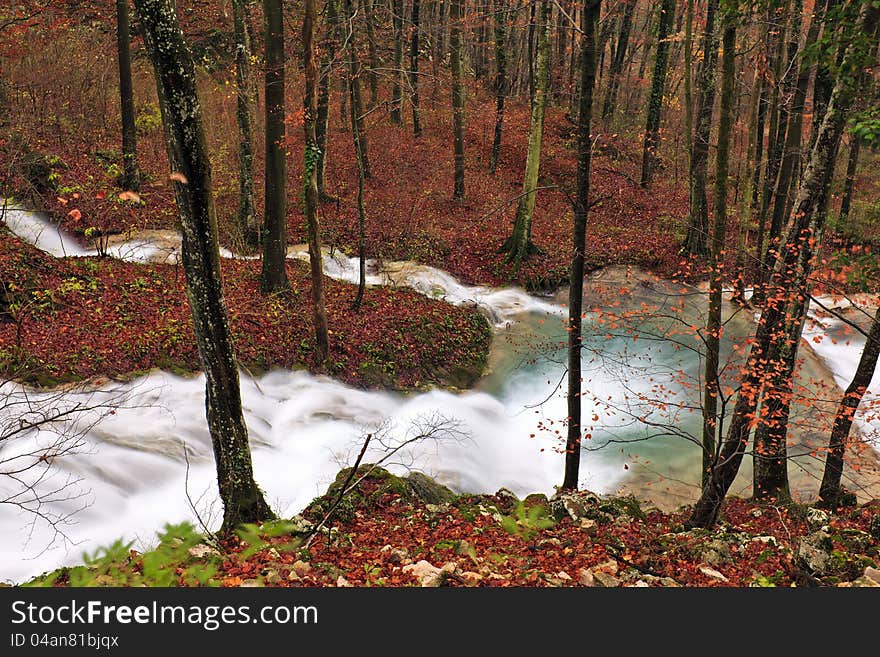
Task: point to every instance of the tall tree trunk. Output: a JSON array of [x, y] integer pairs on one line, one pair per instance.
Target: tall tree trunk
[[852, 163], [362, 214], [414, 70], [589, 59], [712, 388], [396, 95], [696, 242], [519, 245], [131, 178], [794, 130], [831, 491], [655, 100], [792, 271], [274, 274], [372, 52], [458, 98], [688, 78], [248, 226], [530, 62], [354, 90], [616, 68], [500, 79], [775, 45], [310, 185], [188, 155], [322, 118], [824, 81]]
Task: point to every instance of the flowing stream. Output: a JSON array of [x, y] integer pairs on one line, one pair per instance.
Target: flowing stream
[[150, 461]]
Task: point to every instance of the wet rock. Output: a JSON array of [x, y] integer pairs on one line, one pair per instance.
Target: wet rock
[[506, 500], [427, 490]]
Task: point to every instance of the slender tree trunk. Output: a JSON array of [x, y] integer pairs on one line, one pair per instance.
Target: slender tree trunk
[[188, 155], [362, 214], [824, 81], [354, 90], [696, 242], [248, 226], [589, 59], [533, 7], [792, 272], [274, 274], [655, 100], [322, 119], [500, 79], [372, 52], [852, 163], [616, 68], [310, 185], [396, 95], [688, 78], [831, 491], [716, 254], [414, 70], [458, 98], [131, 178], [794, 131], [775, 44]]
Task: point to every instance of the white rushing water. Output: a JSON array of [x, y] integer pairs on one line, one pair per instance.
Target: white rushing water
[[840, 347], [128, 475]]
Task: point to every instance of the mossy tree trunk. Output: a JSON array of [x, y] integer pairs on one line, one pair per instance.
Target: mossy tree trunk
[[131, 177], [500, 35], [310, 185], [274, 274], [655, 99], [458, 98], [188, 155], [519, 245], [589, 60], [248, 226]]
